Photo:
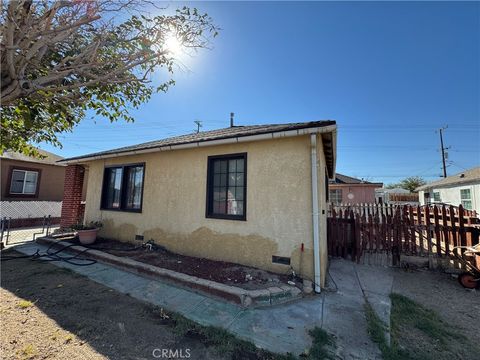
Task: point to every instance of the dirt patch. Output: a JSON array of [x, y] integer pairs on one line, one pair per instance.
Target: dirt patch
[[50, 312], [219, 271], [456, 311]]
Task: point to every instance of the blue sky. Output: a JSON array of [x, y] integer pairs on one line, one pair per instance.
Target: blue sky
[[390, 73]]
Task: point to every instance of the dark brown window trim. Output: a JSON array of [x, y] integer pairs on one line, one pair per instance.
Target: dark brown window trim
[[9, 183], [209, 201], [122, 190]]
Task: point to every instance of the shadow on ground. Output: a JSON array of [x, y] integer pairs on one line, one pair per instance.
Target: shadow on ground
[[115, 325]]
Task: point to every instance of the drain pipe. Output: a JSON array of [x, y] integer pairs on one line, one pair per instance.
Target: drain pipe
[[315, 214]]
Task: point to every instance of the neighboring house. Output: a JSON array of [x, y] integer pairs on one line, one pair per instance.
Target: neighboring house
[[25, 178], [349, 190], [244, 194], [462, 188], [396, 196]]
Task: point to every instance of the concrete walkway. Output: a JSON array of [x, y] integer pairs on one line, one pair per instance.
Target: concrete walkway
[[281, 328]]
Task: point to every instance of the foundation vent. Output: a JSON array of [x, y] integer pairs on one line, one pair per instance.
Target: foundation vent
[[280, 260], [139, 237]]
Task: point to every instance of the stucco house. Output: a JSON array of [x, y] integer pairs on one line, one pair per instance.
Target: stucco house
[[347, 189], [462, 188], [25, 178], [244, 194]]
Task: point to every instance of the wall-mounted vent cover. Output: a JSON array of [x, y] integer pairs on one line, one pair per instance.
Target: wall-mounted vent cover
[[139, 237], [280, 260]]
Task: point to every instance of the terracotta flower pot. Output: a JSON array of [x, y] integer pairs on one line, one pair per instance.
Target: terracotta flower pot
[[87, 237]]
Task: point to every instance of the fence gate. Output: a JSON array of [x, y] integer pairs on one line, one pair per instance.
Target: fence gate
[[359, 232]]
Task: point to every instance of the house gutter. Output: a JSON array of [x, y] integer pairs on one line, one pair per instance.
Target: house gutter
[[197, 144], [315, 214]]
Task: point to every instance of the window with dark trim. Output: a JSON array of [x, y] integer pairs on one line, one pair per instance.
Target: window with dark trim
[[23, 182], [123, 187], [227, 187]]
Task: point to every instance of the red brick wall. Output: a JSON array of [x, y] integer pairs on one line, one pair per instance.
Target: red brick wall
[[72, 208]]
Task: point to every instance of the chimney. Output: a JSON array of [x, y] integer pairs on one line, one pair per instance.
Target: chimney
[[231, 119]]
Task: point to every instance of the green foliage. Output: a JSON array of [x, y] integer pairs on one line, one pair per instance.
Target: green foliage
[[105, 68], [322, 344], [407, 315], [224, 342], [409, 183], [412, 314]]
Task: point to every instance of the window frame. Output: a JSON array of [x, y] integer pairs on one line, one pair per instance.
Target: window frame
[[8, 192], [209, 198], [331, 198], [123, 187], [469, 199]]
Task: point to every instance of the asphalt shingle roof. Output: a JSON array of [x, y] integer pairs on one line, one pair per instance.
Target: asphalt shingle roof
[[344, 179], [204, 136], [49, 158], [467, 176]]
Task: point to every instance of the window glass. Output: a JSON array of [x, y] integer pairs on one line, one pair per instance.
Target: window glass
[[16, 186], [113, 178], [122, 187], [24, 182], [335, 196], [226, 193], [30, 182], [134, 187], [436, 197], [466, 199]]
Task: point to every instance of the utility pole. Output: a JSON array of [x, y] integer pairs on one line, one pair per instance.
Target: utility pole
[[199, 125], [443, 151]]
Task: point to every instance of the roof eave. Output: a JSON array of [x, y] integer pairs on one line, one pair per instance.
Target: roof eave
[[330, 145]]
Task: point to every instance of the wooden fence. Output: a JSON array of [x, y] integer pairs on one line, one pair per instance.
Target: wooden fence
[[431, 231]]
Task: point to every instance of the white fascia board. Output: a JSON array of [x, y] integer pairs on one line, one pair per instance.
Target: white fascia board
[[233, 140]]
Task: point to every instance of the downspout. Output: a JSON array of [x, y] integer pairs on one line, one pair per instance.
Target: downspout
[[315, 214]]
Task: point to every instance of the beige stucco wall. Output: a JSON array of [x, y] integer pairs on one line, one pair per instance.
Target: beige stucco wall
[[279, 215]]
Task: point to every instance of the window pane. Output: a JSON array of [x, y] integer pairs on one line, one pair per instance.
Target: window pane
[[16, 186], [235, 207], [465, 194], [133, 197], [240, 165], [220, 179], [30, 182], [113, 187], [232, 166], [467, 204], [240, 180], [239, 193], [219, 194], [219, 207]]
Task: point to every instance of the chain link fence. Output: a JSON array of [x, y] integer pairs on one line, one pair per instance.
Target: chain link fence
[[23, 221]]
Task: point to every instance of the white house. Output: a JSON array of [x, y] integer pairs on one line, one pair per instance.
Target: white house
[[462, 188]]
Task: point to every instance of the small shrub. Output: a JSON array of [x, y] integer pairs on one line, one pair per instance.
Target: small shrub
[[25, 304]]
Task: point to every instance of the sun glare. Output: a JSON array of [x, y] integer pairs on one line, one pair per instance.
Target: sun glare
[[173, 45]]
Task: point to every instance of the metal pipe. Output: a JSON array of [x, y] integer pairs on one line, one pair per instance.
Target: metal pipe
[[315, 214]]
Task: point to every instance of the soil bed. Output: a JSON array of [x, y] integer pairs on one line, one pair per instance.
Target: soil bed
[[219, 271]]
